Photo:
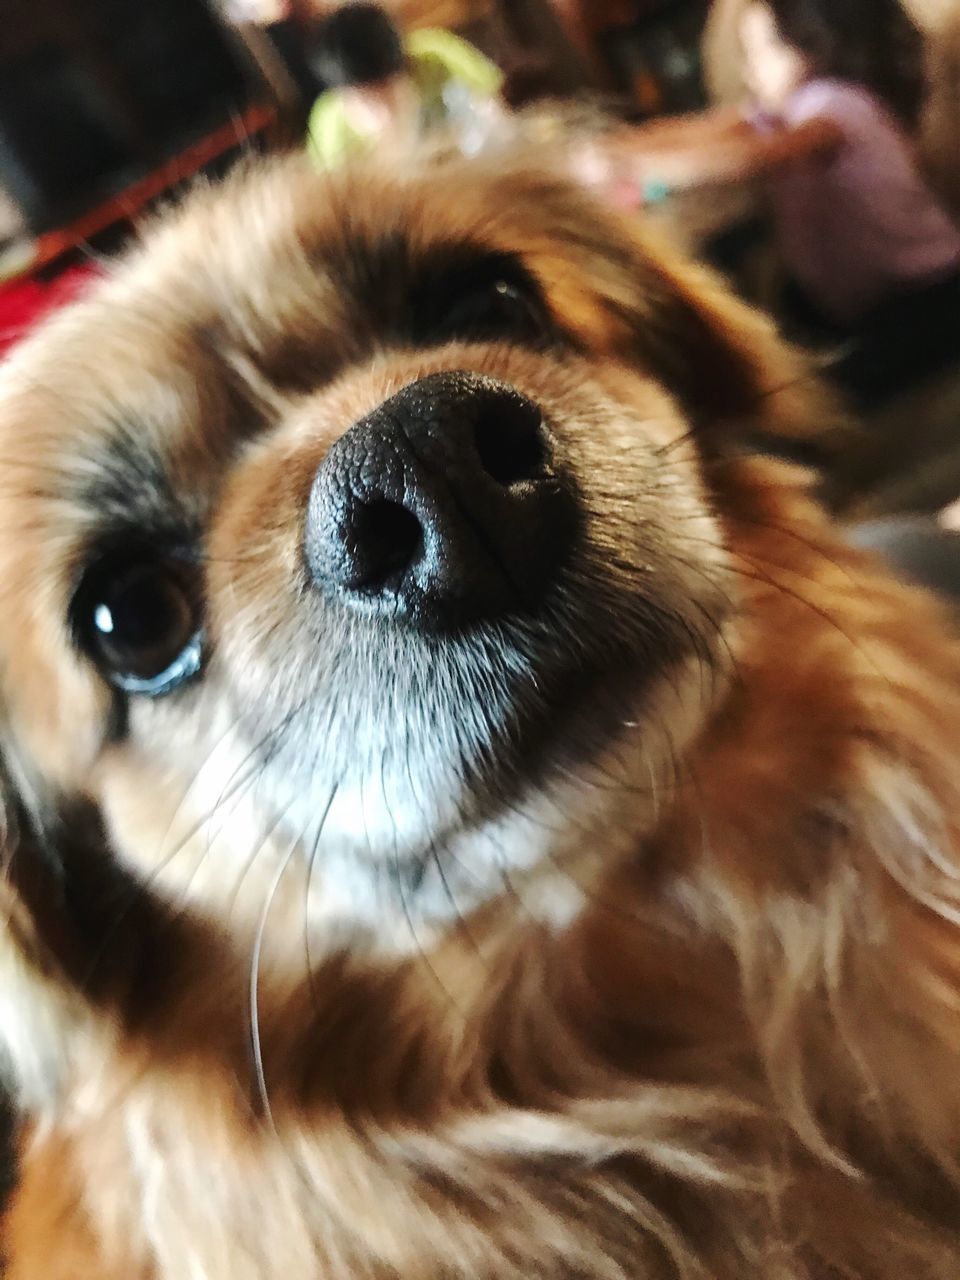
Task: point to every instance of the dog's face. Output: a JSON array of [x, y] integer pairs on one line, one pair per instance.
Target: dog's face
[[362, 526]]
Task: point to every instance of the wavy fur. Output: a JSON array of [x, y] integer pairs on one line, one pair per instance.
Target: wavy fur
[[330, 965]]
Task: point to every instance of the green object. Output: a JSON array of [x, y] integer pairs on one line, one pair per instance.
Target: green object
[[437, 59], [331, 138]]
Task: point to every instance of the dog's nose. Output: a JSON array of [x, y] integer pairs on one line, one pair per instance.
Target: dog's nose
[[444, 505]]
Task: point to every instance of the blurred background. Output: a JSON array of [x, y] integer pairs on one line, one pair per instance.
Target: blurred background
[[807, 149]]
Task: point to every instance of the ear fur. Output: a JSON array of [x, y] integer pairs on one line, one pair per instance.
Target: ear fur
[[56, 896], [734, 375]]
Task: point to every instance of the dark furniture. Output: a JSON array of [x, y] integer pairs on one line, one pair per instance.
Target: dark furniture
[[96, 93]]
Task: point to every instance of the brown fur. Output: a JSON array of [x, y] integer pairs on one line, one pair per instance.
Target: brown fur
[[710, 1031]]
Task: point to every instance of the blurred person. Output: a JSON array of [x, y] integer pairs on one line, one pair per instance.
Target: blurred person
[[279, 51], [873, 259], [384, 90], [937, 127], [724, 58]]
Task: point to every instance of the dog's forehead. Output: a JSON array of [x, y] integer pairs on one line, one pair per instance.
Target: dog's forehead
[[284, 250], [285, 257]]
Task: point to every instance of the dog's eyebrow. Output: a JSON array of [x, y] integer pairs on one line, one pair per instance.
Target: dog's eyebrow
[[128, 487], [392, 289]]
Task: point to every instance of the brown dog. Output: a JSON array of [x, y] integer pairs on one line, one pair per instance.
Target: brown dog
[[463, 818]]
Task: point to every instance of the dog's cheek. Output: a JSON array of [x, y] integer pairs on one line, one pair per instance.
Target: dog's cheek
[[57, 716], [181, 802]]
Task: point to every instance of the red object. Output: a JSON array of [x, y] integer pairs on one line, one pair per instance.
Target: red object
[[27, 299], [25, 302], [124, 206]]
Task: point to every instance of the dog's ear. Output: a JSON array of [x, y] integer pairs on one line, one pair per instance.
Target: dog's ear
[[33, 948], [735, 377], [56, 874], [32, 885], [61, 885]]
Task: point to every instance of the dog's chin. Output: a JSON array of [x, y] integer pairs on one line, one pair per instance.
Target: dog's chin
[[429, 836]]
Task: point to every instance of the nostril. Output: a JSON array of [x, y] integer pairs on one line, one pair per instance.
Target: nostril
[[509, 441], [387, 540], [445, 506]]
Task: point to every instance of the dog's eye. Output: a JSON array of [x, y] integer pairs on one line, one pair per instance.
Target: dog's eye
[[138, 620], [500, 310]]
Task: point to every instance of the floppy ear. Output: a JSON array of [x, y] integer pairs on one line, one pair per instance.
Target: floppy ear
[[60, 888], [59, 895], [738, 380], [32, 995], [41, 1003]]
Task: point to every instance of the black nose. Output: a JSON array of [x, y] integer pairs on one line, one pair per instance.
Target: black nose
[[444, 505]]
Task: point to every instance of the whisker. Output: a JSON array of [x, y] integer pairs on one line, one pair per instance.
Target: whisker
[[256, 1044], [311, 863], [142, 885]]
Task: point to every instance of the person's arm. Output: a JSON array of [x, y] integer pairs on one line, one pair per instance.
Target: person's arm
[[695, 128], [818, 136], [721, 147]]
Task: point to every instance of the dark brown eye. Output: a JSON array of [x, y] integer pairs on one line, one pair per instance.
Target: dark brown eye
[[138, 620], [477, 297], [499, 310]]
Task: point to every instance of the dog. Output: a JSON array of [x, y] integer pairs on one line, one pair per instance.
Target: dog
[[467, 812]]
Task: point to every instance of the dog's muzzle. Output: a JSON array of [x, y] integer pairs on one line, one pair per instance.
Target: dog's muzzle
[[445, 505]]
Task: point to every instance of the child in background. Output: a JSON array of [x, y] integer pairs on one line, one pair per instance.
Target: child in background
[[383, 91], [873, 259]]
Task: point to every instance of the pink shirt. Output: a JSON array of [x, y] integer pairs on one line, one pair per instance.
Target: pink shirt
[[857, 223]]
